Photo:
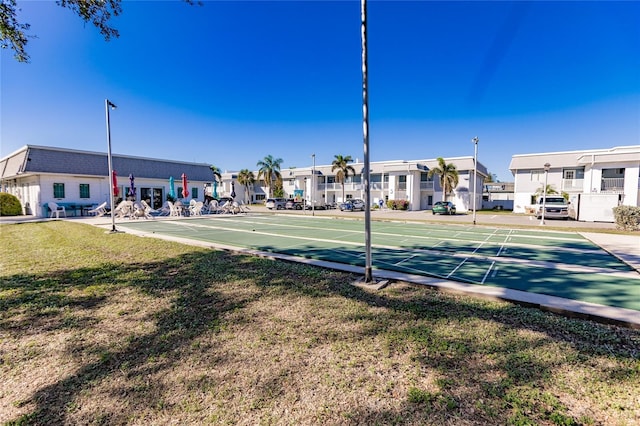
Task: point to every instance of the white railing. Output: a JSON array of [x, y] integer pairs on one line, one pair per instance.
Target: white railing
[[572, 184], [426, 185], [612, 184]]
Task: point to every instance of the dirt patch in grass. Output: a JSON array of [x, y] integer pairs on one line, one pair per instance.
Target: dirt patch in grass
[[116, 329]]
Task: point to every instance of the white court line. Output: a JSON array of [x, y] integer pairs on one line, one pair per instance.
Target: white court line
[[457, 267], [405, 259], [477, 248], [488, 271], [541, 264]]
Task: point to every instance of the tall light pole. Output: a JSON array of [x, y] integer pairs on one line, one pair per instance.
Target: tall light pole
[[313, 186], [108, 104], [475, 174], [368, 275], [544, 191]]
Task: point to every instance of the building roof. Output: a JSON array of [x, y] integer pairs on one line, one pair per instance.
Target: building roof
[[33, 159], [574, 158]]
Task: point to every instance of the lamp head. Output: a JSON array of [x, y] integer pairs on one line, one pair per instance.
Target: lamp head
[[475, 140], [546, 167]]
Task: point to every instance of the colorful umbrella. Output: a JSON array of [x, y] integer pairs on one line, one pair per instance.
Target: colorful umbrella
[[185, 191], [233, 190], [114, 183], [172, 188], [215, 189], [132, 188]]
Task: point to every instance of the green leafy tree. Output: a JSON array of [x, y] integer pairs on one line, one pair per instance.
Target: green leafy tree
[[246, 178], [98, 12], [269, 172], [448, 175], [344, 169]]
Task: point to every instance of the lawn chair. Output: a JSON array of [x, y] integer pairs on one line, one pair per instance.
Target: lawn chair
[[212, 207], [56, 209], [148, 211], [165, 210], [100, 210], [124, 209], [174, 210], [196, 208]]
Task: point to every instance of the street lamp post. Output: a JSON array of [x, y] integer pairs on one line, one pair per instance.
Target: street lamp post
[[313, 186], [108, 104], [544, 191], [475, 174]]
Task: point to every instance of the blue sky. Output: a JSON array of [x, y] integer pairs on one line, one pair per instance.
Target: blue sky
[[228, 83]]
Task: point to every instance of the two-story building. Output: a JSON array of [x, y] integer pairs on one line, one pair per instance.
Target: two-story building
[[594, 181], [389, 180]]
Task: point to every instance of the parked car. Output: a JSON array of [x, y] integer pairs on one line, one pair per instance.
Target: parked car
[[293, 205], [352, 205], [275, 203], [554, 208], [444, 207]]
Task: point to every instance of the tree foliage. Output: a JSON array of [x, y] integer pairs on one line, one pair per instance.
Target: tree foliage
[[269, 171], [344, 169], [13, 33], [246, 178], [448, 174]]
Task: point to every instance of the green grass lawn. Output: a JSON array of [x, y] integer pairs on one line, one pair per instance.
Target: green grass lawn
[[117, 329]]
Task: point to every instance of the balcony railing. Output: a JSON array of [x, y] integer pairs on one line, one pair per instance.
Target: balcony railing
[[426, 185], [572, 184], [612, 184]]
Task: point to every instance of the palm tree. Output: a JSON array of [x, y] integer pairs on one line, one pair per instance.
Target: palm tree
[[269, 171], [344, 169], [217, 178], [246, 178], [448, 174], [540, 191]]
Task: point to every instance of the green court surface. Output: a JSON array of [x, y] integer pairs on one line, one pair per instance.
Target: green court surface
[[562, 264]]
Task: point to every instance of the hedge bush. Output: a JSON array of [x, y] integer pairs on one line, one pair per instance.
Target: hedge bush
[[398, 204], [627, 217], [9, 205]]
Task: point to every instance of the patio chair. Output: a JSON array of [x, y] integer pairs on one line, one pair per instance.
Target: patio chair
[[165, 210], [56, 209], [100, 210], [211, 207], [196, 208], [124, 209], [174, 209], [148, 211]]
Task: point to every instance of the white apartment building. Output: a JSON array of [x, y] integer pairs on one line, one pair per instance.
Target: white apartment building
[[389, 180], [595, 180]]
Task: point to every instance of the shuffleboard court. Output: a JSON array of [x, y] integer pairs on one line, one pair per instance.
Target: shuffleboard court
[[562, 264]]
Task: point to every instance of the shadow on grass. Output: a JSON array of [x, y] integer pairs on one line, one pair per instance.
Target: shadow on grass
[[192, 283]]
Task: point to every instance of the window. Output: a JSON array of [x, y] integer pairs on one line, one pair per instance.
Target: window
[[58, 190], [537, 175], [84, 190], [194, 192], [260, 197], [424, 177]]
